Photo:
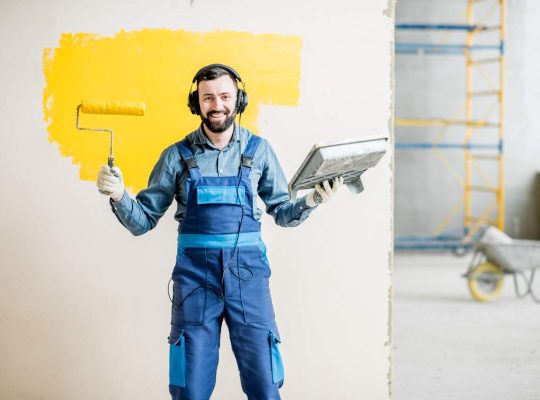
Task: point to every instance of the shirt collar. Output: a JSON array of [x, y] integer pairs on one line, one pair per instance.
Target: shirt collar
[[200, 137]]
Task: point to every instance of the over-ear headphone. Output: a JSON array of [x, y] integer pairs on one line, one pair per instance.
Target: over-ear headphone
[[193, 96]]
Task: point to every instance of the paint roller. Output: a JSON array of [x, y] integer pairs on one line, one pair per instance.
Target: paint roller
[[110, 107]]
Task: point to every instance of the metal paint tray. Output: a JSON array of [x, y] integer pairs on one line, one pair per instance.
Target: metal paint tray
[[348, 158]]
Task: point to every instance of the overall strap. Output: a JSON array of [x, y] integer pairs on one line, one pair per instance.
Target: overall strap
[[249, 152], [188, 158]]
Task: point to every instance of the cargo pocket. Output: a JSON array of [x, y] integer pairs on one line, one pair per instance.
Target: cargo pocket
[[278, 373], [177, 359]]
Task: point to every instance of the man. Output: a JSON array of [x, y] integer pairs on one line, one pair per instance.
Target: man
[[221, 269]]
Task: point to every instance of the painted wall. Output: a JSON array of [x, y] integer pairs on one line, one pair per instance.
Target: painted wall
[[84, 309], [434, 86]]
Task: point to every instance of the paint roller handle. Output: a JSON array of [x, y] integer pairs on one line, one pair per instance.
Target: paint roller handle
[[110, 162]]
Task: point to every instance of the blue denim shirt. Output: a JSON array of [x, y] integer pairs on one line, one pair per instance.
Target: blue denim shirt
[[167, 182]]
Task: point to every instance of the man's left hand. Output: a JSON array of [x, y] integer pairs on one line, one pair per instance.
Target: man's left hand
[[324, 193]]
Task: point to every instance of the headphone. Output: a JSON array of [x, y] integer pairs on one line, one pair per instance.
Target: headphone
[[193, 96]]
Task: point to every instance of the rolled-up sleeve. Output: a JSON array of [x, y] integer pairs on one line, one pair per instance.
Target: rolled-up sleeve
[[142, 214], [273, 190]]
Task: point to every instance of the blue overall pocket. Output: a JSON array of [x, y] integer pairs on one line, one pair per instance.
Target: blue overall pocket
[[177, 359], [221, 195], [278, 373], [189, 287], [255, 289]]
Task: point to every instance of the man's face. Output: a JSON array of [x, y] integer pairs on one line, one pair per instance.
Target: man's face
[[217, 99]]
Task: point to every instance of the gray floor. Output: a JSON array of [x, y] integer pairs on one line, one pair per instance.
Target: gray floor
[[448, 346]]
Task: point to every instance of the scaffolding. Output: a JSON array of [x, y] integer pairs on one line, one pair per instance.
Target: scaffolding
[[475, 153]]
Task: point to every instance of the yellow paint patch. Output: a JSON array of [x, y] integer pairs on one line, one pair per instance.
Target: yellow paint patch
[[156, 67]]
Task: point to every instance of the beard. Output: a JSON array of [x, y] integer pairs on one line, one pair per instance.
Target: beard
[[219, 127]]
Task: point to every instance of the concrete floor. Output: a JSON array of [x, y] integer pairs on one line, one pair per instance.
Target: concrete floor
[[448, 346]]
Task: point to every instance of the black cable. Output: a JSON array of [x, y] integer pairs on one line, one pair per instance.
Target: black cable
[[190, 293], [236, 249]]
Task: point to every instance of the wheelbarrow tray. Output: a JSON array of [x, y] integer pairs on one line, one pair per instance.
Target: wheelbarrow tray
[[512, 257]]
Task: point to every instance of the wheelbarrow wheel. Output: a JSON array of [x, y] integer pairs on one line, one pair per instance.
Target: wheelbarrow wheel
[[486, 282]]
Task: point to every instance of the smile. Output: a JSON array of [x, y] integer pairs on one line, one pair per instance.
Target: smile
[[217, 115]]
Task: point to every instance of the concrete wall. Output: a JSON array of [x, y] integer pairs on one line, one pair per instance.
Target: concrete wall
[[83, 304], [434, 86]]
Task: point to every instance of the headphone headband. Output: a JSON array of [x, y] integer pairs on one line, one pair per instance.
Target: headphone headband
[[222, 66]]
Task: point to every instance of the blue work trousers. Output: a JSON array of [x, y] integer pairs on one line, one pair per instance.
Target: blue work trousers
[[209, 287]]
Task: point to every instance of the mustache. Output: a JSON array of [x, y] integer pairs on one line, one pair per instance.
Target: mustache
[[225, 112]]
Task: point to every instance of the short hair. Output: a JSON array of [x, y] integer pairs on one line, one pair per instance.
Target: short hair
[[214, 72]]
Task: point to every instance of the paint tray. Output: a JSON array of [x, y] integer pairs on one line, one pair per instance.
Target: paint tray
[[348, 158]]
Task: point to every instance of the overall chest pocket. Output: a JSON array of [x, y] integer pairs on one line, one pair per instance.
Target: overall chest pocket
[[221, 195]]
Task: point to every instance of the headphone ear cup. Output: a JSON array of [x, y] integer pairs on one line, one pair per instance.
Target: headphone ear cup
[[241, 101], [193, 103]]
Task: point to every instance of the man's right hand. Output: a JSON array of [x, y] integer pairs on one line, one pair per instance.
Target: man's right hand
[[110, 182]]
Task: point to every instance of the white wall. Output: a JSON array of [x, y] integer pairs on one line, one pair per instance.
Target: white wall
[[84, 311]]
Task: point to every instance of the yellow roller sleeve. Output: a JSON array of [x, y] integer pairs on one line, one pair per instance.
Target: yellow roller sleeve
[[117, 107]]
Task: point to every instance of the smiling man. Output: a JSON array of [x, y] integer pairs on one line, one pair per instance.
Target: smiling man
[[221, 272]]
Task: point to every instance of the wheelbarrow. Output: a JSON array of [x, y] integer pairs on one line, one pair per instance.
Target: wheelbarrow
[[495, 255]]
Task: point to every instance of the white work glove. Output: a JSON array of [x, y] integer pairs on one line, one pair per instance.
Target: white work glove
[[324, 193], [110, 182]]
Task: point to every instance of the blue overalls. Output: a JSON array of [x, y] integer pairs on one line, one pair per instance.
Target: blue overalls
[[221, 272]]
